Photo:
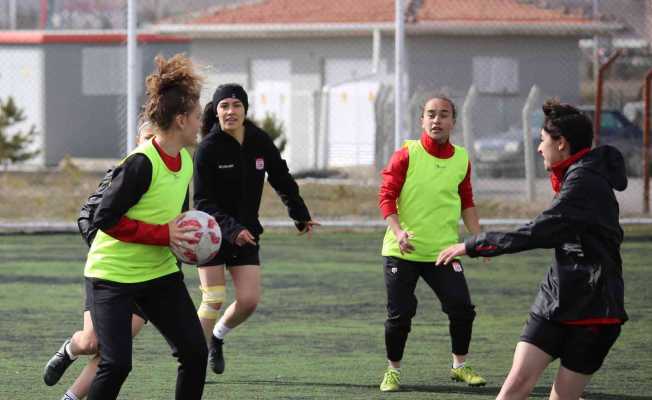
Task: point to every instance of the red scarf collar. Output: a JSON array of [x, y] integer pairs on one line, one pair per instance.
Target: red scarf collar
[[173, 163], [558, 170], [435, 149]]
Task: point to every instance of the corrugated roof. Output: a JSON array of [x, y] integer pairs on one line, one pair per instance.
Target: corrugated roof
[[492, 11], [374, 11]]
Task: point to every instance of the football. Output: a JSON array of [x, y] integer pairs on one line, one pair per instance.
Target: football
[[207, 234]]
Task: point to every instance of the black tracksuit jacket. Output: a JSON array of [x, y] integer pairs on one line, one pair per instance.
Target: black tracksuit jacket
[[585, 280], [229, 180]]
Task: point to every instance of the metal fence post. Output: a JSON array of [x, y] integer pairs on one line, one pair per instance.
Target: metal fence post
[[530, 169], [467, 127], [646, 142]]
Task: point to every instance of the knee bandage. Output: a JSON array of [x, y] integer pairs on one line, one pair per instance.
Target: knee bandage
[[210, 295]]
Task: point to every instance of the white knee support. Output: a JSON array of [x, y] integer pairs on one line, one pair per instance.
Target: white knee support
[[211, 295]]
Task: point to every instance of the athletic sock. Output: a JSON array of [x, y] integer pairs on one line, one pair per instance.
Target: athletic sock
[[69, 396], [456, 365], [397, 370], [69, 352], [220, 329]]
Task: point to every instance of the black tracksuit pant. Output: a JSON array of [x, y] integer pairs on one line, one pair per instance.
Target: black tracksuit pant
[[168, 306], [449, 285]]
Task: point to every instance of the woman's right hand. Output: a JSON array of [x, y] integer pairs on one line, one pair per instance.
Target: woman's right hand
[[403, 239], [245, 237], [181, 236]]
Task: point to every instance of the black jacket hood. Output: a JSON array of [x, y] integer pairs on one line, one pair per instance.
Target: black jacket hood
[[608, 162]]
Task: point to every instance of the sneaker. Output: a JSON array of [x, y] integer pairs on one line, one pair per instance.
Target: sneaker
[[57, 365], [391, 381], [215, 356], [466, 374]]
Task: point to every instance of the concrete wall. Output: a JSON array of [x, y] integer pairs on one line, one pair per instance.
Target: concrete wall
[[86, 105]]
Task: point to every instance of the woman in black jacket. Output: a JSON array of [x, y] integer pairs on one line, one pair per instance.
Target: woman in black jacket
[[579, 309], [230, 166]]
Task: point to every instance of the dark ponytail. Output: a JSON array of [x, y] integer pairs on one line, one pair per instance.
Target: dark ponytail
[[209, 119]]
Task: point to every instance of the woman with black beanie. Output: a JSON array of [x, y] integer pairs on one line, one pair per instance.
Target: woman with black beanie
[[230, 166]]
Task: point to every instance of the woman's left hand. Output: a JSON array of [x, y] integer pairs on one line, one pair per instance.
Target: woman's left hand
[[306, 227], [447, 255]]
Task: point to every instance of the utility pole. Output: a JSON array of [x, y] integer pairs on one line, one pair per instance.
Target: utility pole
[[399, 66], [132, 64], [13, 15]]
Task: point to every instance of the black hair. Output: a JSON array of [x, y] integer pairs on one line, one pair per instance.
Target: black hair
[[565, 120], [441, 97], [208, 119]]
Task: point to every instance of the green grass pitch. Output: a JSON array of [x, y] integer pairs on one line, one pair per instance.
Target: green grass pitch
[[318, 332]]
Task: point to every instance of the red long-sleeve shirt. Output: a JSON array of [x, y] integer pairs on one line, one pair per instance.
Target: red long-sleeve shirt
[[393, 176], [133, 231]]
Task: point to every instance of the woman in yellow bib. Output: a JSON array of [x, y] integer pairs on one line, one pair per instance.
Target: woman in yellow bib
[[130, 261], [425, 189]]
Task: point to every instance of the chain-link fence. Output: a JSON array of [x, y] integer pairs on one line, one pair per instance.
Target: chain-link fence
[[325, 71]]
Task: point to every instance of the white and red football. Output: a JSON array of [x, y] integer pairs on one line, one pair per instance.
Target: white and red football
[[207, 234]]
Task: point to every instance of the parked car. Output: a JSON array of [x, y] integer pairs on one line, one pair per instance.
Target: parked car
[[501, 154], [618, 131]]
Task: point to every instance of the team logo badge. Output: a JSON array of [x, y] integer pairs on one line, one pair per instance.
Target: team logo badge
[[394, 270], [457, 267], [260, 163]]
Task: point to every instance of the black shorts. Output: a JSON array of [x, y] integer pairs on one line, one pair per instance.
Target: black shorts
[[137, 310], [580, 348], [234, 256]]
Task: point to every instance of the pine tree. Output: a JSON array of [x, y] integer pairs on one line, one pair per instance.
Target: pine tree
[[275, 130], [14, 148]]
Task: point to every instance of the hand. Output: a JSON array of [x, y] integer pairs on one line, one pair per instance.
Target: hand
[[449, 254], [245, 237], [181, 237], [306, 227], [403, 238]]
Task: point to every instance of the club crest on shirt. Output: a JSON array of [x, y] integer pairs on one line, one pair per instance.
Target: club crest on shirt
[[260, 163], [457, 266]]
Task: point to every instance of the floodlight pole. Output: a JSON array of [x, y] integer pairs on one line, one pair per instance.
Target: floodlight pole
[[399, 65], [131, 74]]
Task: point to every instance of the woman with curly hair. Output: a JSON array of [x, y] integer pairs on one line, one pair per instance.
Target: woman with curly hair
[[130, 261]]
